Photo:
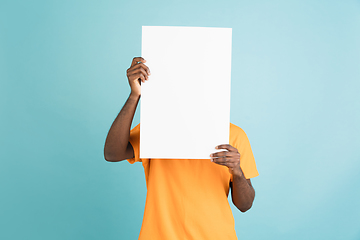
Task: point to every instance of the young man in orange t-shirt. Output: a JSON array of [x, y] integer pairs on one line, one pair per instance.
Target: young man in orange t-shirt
[[186, 198]]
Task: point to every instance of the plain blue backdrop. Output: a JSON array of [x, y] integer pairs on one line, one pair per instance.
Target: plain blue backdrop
[[295, 92]]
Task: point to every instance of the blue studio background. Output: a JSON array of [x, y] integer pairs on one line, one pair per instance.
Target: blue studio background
[[295, 92]]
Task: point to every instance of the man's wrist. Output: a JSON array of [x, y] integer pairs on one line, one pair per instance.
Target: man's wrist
[[134, 96], [238, 173]]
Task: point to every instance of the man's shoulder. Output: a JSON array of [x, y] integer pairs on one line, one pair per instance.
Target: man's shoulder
[[237, 135], [136, 128], [234, 129]]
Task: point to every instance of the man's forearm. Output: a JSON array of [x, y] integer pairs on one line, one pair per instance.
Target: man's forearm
[[118, 137], [242, 192]]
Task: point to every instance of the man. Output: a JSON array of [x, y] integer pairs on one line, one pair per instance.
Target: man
[[186, 198]]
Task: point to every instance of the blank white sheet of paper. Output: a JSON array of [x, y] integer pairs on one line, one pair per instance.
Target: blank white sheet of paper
[[185, 104]]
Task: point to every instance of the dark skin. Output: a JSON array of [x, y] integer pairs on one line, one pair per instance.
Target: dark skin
[[118, 148]]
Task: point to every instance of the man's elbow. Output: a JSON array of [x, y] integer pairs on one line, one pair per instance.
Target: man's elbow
[[112, 158], [244, 208]]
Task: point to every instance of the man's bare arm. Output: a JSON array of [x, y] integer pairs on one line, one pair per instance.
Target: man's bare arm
[[242, 192], [117, 146]]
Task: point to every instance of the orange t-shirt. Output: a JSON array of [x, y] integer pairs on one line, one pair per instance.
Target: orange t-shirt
[[188, 198]]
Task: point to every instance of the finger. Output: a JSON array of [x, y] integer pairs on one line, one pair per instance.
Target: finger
[[224, 160], [139, 70], [223, 164], [226, 153], [222, 154], [218, 159], [138, 76], [136, 60], [227, 146], [139, 65]]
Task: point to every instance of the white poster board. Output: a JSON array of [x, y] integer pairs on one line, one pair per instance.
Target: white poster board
[[185, 104]]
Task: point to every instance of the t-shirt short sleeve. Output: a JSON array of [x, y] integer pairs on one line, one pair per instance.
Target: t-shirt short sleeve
[[239, 140], [135, 143]]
